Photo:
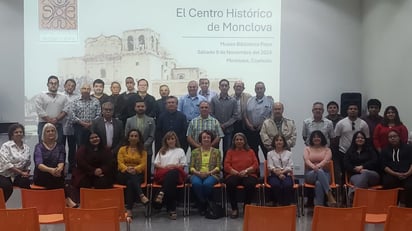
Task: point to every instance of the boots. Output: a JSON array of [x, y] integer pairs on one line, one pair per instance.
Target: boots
[[331, 200]]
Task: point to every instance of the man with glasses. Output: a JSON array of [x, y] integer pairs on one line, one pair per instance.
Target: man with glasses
[[109, 129], [344, 131]]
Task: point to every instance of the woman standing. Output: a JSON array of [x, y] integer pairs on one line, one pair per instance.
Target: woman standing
[[241, 167], [94, 165], [169, 164], [391, 120], [131, 161], [361, 163], [396, 161], [14, 161], [317, 157], [205, 168], [280, 166], [49, 160]]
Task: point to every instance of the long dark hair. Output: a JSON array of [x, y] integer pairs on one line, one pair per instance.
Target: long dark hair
[[323, 141], [140, 144], [90, 146], [385, 120], [354, 147]]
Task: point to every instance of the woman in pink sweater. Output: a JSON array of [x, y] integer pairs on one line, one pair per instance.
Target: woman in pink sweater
[[317, 157]]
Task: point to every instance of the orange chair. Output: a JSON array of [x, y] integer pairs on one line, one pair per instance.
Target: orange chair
[[104, 198], [19, 219], [295, 188], [2, 200], [50, 204], [261, 218], [348, 185], [377, 203], [338, 219], [104, 219], [332, 185], [398, 219]]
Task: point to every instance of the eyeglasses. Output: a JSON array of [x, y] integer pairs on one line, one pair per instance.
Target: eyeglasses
[[353, 126]]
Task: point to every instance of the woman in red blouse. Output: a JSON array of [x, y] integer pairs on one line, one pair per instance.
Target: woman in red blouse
[[390, 121], [241, 167]]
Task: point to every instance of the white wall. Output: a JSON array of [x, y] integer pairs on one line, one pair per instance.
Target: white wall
[[11, 61], [320, 57], [387, 53]]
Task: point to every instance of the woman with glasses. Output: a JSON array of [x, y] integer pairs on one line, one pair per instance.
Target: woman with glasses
[[280, 167], [391, 120], [396, 161]]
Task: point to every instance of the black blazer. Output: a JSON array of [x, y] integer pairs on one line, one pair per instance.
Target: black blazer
[[99, 128]]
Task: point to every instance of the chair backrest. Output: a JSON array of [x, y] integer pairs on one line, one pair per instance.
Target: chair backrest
[[103, 219], [259, 218], [50, 204], [338, 219], [25, 219], [398, 219], [103, 198], [2, 200], [376, 201]]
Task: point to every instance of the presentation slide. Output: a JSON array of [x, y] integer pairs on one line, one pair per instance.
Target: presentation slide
[[165, 42]]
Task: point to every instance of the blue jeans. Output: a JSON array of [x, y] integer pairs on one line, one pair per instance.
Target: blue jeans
[[203, 187], [321, 180]]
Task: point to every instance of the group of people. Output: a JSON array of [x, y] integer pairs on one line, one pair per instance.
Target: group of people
[[109, 139]]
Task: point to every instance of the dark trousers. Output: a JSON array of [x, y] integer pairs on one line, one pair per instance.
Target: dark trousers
[[282, 190], [389, 182], [81, 133], [254, 141], [248, 182], [133, 189], [171, 179], [71, 144], [6, 184]]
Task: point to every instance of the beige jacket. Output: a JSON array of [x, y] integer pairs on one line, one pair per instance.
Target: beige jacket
[[269, 130]]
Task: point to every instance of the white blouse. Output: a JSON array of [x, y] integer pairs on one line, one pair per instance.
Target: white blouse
[[13, 156], [281, 160], [172, 156]]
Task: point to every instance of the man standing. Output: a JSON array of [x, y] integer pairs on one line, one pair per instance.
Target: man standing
[[84, 110], [204, 91], [333, 113], [142, 95], [115, 88], [98, 91], [171, 120], [189, 103], [52, 107], [344, 131], [224, 109], [68, 130], [241, 98], [317, 122], [146, 125], [108, 128], [278, 125], [120, 111], [373, 118], [161, 103], [201, 123], [258, 109]]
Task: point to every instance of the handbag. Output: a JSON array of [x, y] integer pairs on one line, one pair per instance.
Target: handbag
[[214, 210]]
